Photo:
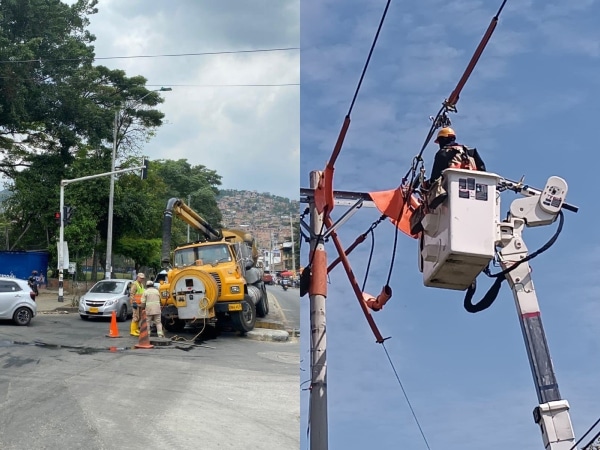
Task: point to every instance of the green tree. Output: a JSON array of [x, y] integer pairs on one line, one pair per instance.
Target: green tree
[[57, 116]]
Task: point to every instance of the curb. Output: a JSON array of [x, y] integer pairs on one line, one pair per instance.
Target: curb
[[268, 335]]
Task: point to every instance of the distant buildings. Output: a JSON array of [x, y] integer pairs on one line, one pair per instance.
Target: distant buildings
[[267, 216]]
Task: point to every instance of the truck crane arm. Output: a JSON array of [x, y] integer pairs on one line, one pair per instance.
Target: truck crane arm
[[192, 218]]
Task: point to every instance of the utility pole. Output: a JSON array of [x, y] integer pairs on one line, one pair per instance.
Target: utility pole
[[293, 251], [108, 270], [318, 344], [271, 251], [109, 231]]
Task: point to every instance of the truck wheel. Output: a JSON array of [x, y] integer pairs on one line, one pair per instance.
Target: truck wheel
[[262, 307], [173, 324], [244, 321]]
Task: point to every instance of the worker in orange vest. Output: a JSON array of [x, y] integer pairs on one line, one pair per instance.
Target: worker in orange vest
[[135, 297]]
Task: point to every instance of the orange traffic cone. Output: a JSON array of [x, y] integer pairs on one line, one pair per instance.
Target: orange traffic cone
[[144, 341], [113, 331]]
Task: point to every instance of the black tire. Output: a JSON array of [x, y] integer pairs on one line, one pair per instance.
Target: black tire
[[22, 316], [122, 315], [84, 317], [173, 324], [262, 307], [244, 321]]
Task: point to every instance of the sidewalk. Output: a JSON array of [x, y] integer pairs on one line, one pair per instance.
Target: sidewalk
[[48, 301]]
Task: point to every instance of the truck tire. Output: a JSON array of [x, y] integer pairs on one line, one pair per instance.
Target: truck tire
[[262, 307], [173, 324], [169, 319], [244, 321]]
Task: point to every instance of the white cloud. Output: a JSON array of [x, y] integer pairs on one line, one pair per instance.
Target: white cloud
[[250, 135]]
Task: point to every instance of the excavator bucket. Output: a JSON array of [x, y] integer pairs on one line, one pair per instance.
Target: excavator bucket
[[391, 203]]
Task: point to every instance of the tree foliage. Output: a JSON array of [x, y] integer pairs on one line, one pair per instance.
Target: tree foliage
[[58, 116]]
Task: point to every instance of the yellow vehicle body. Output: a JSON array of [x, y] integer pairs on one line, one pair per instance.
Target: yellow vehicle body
[[213, 279]]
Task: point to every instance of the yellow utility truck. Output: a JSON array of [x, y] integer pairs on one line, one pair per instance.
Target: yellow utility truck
[[215, 279]]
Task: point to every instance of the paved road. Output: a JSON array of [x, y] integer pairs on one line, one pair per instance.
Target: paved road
[[62, 386], [289, 302]]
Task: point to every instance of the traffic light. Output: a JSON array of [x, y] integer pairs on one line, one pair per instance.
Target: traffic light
[[57, 217], [67, 213], [145, 163]]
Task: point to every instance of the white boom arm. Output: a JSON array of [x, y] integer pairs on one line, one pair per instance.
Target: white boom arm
[[461, 237], [552, 414]]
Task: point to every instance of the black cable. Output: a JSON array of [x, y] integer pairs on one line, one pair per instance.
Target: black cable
[[370, 258], [586, 433], [364, 71], [541, 250], [493, 291], [406, 396], [97, 58]]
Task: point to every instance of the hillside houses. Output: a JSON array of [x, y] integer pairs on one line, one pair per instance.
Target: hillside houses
[[267, 216]]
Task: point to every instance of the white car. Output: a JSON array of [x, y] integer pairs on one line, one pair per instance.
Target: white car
[[16, 301]]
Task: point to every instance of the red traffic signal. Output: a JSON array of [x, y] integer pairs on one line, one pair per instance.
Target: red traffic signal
[[57, 217]]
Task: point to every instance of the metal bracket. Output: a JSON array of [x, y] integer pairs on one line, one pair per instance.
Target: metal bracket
[[353, 209]]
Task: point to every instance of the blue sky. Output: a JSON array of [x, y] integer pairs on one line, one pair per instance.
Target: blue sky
[[530, 109]]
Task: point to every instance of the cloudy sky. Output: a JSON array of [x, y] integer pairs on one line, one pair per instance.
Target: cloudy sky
[[530, 109], [249, 135]]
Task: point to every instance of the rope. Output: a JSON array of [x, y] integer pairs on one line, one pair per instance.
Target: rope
[[406, 396]]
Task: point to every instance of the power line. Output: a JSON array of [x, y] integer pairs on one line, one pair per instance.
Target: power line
[[230, 52], [225, 85], [406, 396]]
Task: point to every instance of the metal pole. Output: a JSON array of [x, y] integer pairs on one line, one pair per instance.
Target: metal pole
[[293, 251], [109, 231], [61, 243], [318, 294]]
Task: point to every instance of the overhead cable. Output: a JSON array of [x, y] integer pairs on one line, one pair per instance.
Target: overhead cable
[[98, 58]]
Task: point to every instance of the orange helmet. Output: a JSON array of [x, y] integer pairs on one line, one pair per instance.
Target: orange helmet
[[445, 132]]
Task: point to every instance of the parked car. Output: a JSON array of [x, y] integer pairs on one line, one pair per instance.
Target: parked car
[[16, 301], [105, 297]]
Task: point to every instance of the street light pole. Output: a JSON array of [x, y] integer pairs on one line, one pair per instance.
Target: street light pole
[[108, 271], [109, 231]]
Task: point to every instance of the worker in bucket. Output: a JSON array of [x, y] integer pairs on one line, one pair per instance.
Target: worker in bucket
[[151, 304], [450, 155]]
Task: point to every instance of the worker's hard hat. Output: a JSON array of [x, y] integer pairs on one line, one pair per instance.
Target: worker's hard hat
[[445, 132], [149, 283], [141, 275]]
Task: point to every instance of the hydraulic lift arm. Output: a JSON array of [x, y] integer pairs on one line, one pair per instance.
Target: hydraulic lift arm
[[538, 208]]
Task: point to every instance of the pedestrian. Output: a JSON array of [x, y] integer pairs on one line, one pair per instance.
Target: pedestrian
[[151, 304], [42, 280], [135, 297], [32, 281]]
